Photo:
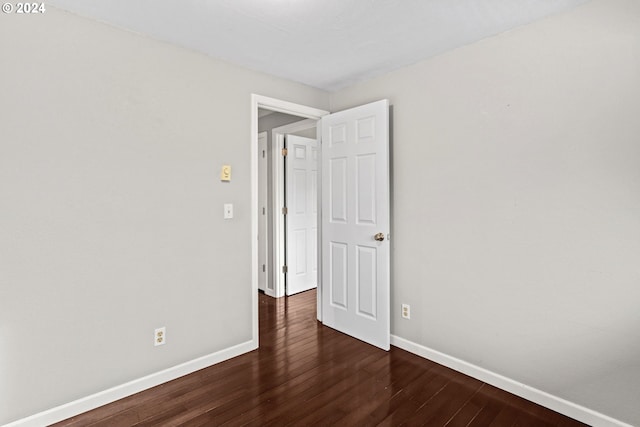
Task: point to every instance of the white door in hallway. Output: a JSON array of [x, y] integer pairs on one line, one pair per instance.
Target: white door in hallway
[[355, 223], [302, 214]]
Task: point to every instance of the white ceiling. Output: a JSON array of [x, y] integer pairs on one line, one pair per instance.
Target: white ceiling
[[328, 44]]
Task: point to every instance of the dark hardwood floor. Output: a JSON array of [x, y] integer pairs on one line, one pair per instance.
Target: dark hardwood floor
[[305, 374]]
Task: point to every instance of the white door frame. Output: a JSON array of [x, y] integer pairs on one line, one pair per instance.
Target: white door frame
[[273, 104], [277, 162], [263, 221]]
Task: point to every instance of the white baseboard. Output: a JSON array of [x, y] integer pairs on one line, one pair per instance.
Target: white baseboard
[[547, 400], [93, 401]]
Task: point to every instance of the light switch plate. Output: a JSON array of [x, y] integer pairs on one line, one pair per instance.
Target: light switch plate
[[228, 210]]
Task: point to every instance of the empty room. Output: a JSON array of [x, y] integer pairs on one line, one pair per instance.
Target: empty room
[[470, 176]]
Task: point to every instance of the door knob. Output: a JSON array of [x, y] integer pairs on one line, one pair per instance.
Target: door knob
[[379, 237]]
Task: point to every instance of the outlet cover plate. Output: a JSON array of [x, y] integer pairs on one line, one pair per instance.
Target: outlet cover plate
[[160, 336], [406, 311]]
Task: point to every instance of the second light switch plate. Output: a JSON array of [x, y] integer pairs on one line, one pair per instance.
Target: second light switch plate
[[228, 211]]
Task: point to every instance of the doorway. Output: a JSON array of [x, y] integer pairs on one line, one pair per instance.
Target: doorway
[[355, 253], [259, 102], [273, 126]]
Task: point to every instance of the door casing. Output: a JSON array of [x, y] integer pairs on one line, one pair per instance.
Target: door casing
[[263, 222]]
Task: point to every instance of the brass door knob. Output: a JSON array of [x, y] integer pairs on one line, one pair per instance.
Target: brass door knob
[[379, 237]]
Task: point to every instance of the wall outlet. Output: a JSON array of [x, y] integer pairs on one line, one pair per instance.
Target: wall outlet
[[406, 311], [160, 336]]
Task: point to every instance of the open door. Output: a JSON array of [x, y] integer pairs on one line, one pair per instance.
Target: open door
[[355, 223], [302, 213]]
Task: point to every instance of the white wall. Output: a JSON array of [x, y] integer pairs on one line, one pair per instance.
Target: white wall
[[111, 206], [518, 250], [517, 204]]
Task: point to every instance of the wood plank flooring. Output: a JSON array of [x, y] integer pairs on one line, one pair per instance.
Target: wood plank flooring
[[305, 374]]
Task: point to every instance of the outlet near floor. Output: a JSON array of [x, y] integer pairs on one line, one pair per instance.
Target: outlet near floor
[[406, 311], [160, 336]]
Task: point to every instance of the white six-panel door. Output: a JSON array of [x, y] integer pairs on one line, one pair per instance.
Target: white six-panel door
[[355, 223], [302, 215]]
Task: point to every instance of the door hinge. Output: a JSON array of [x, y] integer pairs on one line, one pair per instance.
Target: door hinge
[[264, 210], [285, 269], [264, 268], [285, 152], [285, 211]]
